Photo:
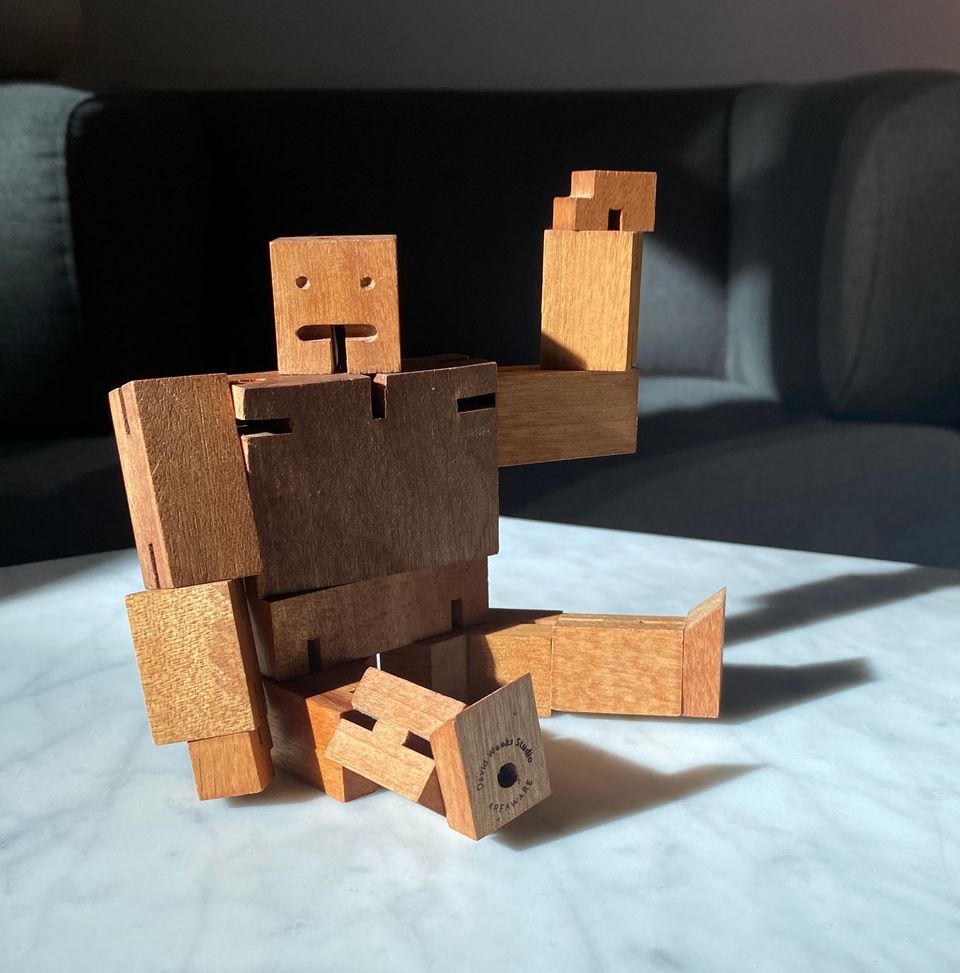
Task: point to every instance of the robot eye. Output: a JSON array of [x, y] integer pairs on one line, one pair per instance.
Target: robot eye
[[302, 282], [367, 283]]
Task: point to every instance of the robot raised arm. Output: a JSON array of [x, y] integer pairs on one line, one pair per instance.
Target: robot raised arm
[[581, 400]]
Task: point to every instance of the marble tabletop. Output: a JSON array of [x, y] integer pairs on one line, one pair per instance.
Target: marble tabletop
[[814, 826]]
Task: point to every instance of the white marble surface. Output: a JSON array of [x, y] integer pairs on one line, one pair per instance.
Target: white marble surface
[[816, 826]]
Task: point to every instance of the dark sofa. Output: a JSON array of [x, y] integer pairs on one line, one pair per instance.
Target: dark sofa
[[800, 335]]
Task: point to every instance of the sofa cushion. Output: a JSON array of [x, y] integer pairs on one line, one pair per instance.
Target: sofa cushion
[[751, 472]]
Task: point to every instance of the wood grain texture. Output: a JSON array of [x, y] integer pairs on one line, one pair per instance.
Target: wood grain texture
[[348, 282], [231, 765], [591, 300], [703, 656], [184, 476], [617, 664], [399, 703], [334, 625], [438, 663], [545, 415], [380, 758], [508, 645], [197, 661], [344, 496], [304, 713], [490, 761], [594, 193]]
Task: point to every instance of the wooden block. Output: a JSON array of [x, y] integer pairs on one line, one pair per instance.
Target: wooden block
[[509, 645], [490, 761], [617, 664], [391, 736], [231, 765], [591, 300], [197, 661], [438, 663], [397, 766], [304, 713], [335, 304], [607, 200], [550, 414], [395, 701], [334, 625], [703, 656], [374, 477], [185, 481]]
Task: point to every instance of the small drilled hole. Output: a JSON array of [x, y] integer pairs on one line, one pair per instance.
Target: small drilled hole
[[367, 283], [302, 282], [507, 775]]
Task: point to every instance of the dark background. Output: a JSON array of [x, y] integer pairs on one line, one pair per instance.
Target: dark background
[[191, 44]]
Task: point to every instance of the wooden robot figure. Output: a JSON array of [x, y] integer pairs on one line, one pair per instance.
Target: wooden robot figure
[[314, 540]]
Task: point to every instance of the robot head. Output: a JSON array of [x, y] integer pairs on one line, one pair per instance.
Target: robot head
[[335, 304]]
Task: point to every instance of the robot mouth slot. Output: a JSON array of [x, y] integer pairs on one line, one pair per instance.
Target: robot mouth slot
[[339, 335], [328, 332]]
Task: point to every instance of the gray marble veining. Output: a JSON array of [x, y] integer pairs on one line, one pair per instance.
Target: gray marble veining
[[815, 826]]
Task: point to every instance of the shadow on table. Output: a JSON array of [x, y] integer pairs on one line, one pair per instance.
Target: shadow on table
[[750, 691], [17, 578], [591, 787], [790, 608], [283, 789]]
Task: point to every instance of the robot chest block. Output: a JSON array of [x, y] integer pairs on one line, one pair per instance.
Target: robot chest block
[[358, 476]]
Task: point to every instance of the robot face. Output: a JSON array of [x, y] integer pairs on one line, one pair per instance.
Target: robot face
[[335, 304]]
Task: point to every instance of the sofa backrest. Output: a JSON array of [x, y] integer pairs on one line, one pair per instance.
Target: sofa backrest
[[844, 290], [173, 198], [806, 245]]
